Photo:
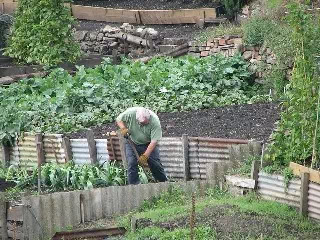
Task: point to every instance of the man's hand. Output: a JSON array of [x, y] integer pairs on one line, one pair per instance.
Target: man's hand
[[124, 132], [143, 160]]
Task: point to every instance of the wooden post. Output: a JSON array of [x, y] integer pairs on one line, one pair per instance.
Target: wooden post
[[67, 149], [304, 193], [255, 172], [114, 56], [3, 217], [123, 150], [40, 156], [92, 147], [185, 157], [5, 155]]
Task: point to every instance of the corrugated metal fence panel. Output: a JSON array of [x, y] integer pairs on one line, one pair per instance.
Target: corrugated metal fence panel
[[102, 150], [27, 151], [208, 150], [47, 214], [53, 149], [314, 200], [80, 151], [171, 156], [272, 187], [14, 155]]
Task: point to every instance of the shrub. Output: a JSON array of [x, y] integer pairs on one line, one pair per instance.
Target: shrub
[[257, 29], [42, 33]]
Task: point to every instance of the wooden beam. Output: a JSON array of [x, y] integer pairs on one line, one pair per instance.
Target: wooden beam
[[92, 147], [40, 156], [67, 149], [299, 169], [185, 157], [3, 216]]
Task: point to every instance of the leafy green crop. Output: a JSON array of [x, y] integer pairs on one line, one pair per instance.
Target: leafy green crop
[[64, 103], [69, 176]]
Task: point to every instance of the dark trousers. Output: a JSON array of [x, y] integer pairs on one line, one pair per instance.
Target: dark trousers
[[153, 162]]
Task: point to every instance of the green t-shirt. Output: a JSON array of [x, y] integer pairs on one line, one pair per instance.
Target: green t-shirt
[[141, 134]]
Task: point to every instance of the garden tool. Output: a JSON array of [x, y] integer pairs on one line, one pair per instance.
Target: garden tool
[[142, 164]]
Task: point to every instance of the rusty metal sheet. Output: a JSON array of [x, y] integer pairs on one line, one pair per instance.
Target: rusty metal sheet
[[53, 149]]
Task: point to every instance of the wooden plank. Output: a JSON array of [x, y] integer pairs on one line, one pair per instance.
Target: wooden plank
[[92, 147], [10, 7], [185, 158], [255, 172], [210, 13], [88, 12], [40, 156], [304, 193], [299, 169], [67, 149], [3, 216]]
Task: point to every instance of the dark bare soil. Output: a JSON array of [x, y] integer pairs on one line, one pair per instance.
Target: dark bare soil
[[251, 121], [150, 4], [230, 222], [5, 185]]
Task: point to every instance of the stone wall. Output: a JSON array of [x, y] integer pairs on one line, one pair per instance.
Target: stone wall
[[260, 58]]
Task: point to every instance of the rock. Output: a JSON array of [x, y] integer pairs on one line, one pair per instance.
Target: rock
[[109, 29], [247, 55], [138, 31], [153, 33], [83, 46], [240, 182], [113, 45], [126, 27], [100, 37], [80, 35], [104, 49], [93, 36]]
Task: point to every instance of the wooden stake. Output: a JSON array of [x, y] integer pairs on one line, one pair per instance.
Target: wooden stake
[[304, 193], [40, 155], [185, 153]]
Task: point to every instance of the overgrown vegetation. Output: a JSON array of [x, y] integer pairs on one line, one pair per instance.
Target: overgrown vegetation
[[42, 33], [262, 219], [63, 103], [297, 136]]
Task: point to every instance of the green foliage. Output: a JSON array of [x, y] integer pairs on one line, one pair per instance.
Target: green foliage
[[42, 33], [288, 176], [244, 168], [232, 7], [69, 176], [257, 29], [220, 30], [156, 233], [217, 193], [297, 134], [64, 103]]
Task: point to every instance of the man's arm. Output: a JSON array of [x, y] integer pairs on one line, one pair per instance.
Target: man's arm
[[121, 124], [150, 148]]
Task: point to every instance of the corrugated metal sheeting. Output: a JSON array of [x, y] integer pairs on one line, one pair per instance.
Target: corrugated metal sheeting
[[80, 151], [24, 152], [53, 149], [199, 151], [102, 151], [46, 214], [171, 156], [314, 200], [203, 151], [272, 187]]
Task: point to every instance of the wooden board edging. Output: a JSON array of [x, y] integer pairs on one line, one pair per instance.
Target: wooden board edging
[[299, 169]]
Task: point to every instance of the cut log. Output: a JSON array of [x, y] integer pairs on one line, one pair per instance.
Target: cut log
[[178, 51], [130, 38]]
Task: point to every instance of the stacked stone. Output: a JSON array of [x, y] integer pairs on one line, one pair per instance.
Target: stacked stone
[[104, 41]]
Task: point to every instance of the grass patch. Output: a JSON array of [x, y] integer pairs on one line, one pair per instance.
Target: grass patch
[[262, 219]]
